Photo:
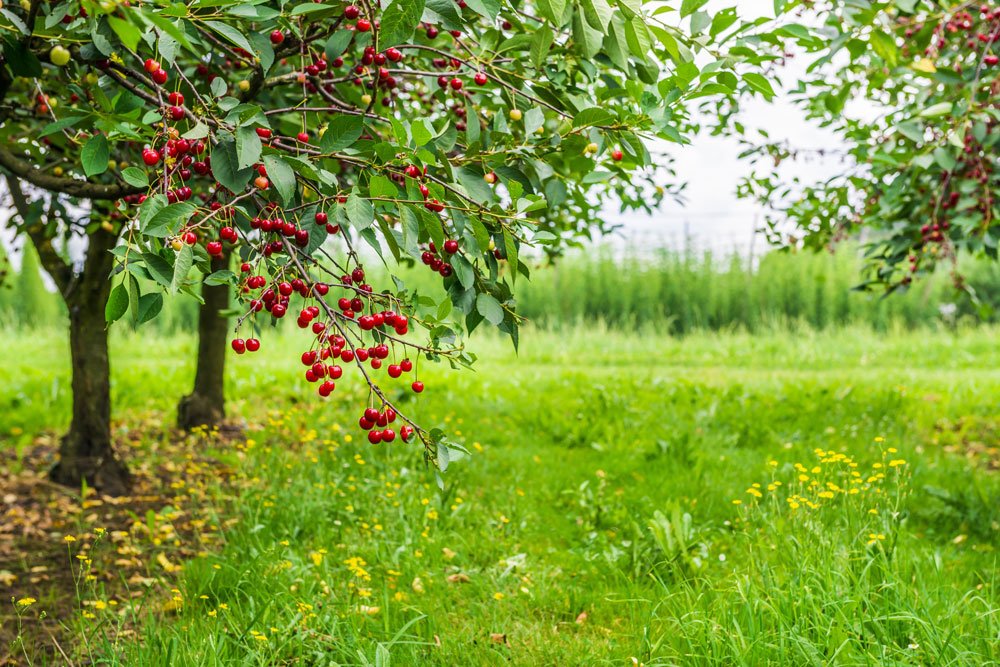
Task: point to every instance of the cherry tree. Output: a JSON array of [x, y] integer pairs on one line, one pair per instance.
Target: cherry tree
[[269, 147], [912, 89]]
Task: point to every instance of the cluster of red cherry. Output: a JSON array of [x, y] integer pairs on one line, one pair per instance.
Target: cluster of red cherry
[[440, 264]]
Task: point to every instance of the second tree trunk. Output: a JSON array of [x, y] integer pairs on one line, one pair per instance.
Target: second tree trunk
[[205, 405]]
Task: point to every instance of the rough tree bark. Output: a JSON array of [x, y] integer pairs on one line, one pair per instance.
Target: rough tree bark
[[205, 405], [85, 452]]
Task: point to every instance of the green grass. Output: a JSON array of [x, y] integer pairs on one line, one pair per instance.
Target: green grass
[[662, 291], [602, 482]]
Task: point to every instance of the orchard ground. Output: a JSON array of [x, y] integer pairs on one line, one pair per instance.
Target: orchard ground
[[783, 498]]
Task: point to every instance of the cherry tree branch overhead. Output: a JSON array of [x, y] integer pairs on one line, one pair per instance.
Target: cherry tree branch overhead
[[453, 135]]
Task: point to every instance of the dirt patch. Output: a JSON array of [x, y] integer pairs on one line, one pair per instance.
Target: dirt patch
[[72, 560], [974, 438]]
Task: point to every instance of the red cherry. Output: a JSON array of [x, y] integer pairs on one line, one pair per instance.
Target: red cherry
[[277, 37], [264, 133], [456, 84], [616, 155], [175, 98], [253, 344], [151, 65], [214, 248], [405, 432], [417, 386], [374, 437], [303, 137], [406, 365], [388, 435], [363, 25], [150, 156], [351, 12], [159, 76], [239, 345], [480, 79], [451, 246], [321, 218]]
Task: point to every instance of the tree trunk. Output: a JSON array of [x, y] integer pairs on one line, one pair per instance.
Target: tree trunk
[[85, 452], [205, 405]]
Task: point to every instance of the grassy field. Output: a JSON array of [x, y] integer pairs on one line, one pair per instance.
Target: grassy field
[[721, 499]]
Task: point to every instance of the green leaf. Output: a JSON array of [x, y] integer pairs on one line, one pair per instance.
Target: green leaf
[[935, 110], [444, 12], [759, 83], [117, 304], [421, 135], [127, 33], [150, 306], [182, 265], [341, 133], [399, 20], [510, 247], [553, 10], [490, 308], [158, 268], [360, 211], [691, 6], [134, 292], [95, 155], [593, 116], [60, 125], [135, 176], [282, 177], [488, 8], [248, 147], [700, 21], [381, 186], [944, 158], [540, 45], [165, 221], [884, 45], [226, 169], [463, 271], [533, 119], [223, 277], [337, 43], [598, 13], [230, 33], [588, 39]]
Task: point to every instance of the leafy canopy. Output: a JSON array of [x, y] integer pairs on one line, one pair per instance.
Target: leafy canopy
[[291, 135]]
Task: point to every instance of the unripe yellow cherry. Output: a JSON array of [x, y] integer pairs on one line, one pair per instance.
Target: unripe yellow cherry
[[591, 147], [26, 5], [515, 114], [107, 226], [176, 244], [59, 55], [58, 171], [366, 99], [244, 85]]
